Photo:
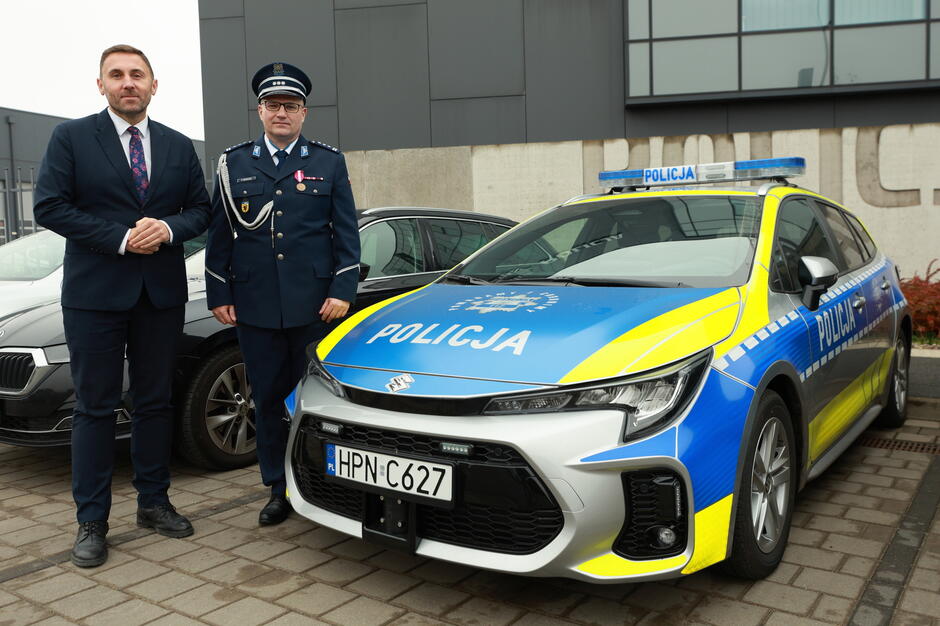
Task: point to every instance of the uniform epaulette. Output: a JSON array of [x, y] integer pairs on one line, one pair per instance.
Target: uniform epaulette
[[325, 146], [238, 145]]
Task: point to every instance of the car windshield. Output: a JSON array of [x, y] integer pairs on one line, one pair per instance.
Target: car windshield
[[32, 257], [660, 241]]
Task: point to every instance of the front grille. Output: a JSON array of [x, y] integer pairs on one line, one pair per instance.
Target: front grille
[[652, 499], [501, 504], [31, 422], [15, 370], [415, 404]]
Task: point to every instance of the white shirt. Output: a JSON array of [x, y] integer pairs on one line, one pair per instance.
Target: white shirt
[[272, 148], [121, 125]]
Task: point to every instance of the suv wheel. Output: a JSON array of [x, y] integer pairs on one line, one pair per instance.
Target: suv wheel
[[895, 412], [767, 492], [217, 423]]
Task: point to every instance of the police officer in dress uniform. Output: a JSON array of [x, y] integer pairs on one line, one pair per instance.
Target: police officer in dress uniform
[[282, 259]]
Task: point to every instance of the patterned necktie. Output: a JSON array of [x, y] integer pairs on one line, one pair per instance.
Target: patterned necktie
[[138, 164], [281, 157]]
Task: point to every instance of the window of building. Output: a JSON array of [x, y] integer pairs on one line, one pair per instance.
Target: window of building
[[868, 11], [785, 60], [682, 18], [879, 54], [638, 19], [777, 15], [695, 65], [639, 64]]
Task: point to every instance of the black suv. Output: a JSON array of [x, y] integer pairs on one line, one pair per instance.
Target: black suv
[[403, 248]]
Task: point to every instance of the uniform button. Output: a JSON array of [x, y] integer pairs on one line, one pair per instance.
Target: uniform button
[[280, 257], [278, 192], [280, 235], [279, 213]]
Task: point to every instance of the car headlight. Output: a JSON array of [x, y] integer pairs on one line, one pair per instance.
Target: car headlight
[[57, 354], [648, 401], [316, 368]]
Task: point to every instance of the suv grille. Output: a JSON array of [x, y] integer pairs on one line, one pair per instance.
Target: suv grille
[[15, 370], [501, 504]]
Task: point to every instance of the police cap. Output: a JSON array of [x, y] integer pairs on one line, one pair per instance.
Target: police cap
[[280, 78]]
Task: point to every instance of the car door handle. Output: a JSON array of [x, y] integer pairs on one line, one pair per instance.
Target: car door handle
[[885, 284], [858, 302]]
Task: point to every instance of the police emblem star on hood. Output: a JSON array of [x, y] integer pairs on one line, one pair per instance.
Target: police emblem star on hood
[[540, 335]]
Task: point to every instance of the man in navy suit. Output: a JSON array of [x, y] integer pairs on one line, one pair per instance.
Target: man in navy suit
[[282, 259], [126, 192]]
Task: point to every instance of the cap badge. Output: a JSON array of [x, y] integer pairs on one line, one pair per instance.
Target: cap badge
[[278, 69]]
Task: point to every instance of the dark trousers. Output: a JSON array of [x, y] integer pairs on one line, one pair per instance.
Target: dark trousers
[[275, 360], [97, 341]]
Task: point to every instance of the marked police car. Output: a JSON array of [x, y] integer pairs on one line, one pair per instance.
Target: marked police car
[[632, 385]]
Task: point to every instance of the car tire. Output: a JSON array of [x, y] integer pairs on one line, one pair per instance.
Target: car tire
[[895, 412], [765, 498], [216, 429]]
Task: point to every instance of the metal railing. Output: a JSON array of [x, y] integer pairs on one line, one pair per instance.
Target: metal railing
[[16, 204]]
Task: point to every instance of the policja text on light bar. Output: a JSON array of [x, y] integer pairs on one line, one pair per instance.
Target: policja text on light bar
[[702, 173]]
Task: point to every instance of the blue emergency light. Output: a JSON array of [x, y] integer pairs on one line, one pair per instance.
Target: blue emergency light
[[703, 173]]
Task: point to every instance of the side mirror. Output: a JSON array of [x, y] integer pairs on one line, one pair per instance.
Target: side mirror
[[816, 275], [364, 271]]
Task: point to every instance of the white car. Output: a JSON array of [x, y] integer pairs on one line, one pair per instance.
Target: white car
[[30, 271]]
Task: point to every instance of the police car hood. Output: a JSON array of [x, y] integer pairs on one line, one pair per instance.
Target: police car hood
[[469, 340]]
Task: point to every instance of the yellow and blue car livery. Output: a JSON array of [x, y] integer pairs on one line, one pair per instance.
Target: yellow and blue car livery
[[520, 388]]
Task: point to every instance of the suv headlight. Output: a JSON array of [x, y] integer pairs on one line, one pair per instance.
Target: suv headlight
[[316, 368], [648, 401]]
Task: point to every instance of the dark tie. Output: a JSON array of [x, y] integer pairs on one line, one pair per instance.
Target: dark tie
[[138, 164], [281, 157]]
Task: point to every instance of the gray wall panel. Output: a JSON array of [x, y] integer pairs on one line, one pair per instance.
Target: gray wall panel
[[321, 125], [888, 108], [209, 9], [478, 121], [383, 77], [463, 65], [222, 42], [304, 40], [574, 69], [680, 119], [787, 114]]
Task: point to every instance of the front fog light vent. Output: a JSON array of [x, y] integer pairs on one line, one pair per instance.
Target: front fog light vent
[[330, 428], [655, 521]]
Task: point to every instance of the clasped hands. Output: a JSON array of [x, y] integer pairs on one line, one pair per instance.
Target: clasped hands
[[147, 235]]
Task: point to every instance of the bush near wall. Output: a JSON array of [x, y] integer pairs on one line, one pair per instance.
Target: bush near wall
[[923, 298]]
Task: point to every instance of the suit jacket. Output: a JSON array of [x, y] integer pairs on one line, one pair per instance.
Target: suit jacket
[[279, 274], [85, 192]]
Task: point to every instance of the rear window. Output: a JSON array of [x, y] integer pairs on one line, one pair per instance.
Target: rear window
[[32, 257]]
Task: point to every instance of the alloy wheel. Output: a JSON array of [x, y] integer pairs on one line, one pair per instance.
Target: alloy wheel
[[770, 484], [230, 412], [900, 376]]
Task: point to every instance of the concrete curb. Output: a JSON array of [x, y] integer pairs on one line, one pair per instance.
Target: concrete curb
[[925, 373]]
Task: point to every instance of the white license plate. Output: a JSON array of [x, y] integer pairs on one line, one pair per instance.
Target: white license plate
[[395, 473]]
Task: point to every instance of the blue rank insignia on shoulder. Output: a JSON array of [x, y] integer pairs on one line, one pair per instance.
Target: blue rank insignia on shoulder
[[324, 145], [256, 151], [304, 152], [238, 145]]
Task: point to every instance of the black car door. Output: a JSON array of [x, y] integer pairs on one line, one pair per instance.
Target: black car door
[[395, 251]]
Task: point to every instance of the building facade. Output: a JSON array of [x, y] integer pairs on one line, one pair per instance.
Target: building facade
[[509, 106]]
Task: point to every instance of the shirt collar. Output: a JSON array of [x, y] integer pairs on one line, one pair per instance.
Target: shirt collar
[[272, 148], [121, 125]]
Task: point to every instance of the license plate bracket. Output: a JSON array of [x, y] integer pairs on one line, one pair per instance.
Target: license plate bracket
[[390, 521]]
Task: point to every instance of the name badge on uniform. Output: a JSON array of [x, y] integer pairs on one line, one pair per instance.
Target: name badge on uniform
[[244, 206]]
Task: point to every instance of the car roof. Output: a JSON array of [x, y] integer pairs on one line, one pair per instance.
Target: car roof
[[412, 211]]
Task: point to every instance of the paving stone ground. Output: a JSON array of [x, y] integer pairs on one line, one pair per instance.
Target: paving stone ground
[[233, 572]]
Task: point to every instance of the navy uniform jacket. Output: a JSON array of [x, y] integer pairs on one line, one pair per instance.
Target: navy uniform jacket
[[279, 274], [85, 192]]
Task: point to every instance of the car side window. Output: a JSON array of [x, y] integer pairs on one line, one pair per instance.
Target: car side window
[[494, 230], [862, 235], [392, 248], [799, 233], [845, 239], [455, 240]]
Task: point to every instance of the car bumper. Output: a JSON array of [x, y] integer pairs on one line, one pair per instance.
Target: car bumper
[[599, 485]]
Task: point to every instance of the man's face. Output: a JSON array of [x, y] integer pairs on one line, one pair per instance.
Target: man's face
[[128, 85], [281, 126]]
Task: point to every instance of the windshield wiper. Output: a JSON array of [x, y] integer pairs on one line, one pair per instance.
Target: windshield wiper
[[463, 279], [591, 281]]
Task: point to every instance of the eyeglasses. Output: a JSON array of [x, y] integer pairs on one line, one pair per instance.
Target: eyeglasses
[[274, 107]]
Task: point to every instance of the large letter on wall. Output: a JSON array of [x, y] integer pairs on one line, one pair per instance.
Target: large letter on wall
[[868, 176]]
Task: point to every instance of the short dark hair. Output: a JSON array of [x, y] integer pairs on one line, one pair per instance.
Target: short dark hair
[[122, 47]]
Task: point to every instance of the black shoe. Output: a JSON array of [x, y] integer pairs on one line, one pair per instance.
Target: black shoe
[[275, 511], [91, 545], [164, 519]]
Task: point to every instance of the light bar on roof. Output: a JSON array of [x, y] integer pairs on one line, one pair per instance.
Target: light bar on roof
[[703, 173]]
